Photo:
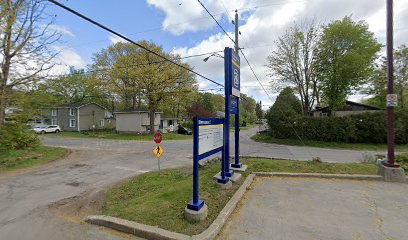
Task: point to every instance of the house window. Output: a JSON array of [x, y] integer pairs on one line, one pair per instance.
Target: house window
[[54, 122], [54, 112], [71, 112], [72, 123], [101, 123]]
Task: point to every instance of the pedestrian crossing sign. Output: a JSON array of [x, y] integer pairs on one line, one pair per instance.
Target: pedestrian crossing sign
[[158, 151]]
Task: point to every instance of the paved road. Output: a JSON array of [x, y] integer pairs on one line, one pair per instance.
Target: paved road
[[181, 150], [302, 208], [94, 164]]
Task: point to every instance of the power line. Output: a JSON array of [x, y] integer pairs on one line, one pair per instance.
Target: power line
[[256, 77], [216, 21], [131, 41]]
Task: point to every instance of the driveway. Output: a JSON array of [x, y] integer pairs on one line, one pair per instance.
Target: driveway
[[95, 164]]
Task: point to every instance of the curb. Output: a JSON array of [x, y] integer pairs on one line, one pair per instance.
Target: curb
[[137, 229], [156, 233], [219, 222], [150, 232], [321, 175]]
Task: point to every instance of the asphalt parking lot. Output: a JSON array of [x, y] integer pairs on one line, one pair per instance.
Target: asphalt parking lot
[[312, 208]]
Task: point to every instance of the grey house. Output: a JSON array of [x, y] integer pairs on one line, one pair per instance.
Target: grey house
[[136, 121], [81, 116]]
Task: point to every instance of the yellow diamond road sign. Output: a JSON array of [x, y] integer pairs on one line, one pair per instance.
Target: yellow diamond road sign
[[158, 151]]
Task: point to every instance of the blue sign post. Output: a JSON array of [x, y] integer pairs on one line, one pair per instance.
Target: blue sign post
[[208, 140], [232, 95]]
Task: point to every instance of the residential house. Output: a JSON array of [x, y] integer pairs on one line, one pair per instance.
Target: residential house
[[136, 121], [168, 124], [349, 109], [82, 116]]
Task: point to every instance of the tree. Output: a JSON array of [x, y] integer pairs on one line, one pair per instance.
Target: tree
[[377, 86], [141, 78], [293, 63], [25, 54], [258, 110], [73, 87], [281, 116], [346, 53], [247, 110]]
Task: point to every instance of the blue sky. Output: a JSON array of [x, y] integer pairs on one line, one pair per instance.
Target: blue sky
[[135, 19], [183, 27]]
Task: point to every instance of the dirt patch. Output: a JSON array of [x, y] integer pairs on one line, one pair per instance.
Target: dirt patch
[[74, 209]]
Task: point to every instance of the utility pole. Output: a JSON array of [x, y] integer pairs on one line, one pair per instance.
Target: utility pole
[[237, 165], [236, 33], [390, 88]]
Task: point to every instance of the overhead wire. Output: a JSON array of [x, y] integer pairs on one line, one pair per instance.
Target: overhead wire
[[256, 77], [127, 66], [131, 41]]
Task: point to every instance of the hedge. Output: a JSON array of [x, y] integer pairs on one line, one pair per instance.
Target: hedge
[[359, 128]]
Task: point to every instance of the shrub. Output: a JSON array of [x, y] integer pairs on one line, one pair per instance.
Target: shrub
[[359, 128], [16, 135]]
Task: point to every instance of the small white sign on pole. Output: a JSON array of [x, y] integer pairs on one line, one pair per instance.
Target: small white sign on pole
[[392, 100]]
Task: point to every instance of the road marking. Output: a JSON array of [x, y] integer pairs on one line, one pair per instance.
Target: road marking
[[131, 169]]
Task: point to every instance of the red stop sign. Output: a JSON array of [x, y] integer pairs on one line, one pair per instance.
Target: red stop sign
[[157, 137]]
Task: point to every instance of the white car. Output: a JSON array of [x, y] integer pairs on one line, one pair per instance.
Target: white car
[[47, 129]]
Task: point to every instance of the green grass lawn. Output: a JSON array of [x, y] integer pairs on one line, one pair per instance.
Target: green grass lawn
[[160, 200], [112, 135], [296, 142], [16, 159]]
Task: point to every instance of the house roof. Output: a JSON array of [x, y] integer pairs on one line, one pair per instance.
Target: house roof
[[368, 107], [77, 105], [136, 110]]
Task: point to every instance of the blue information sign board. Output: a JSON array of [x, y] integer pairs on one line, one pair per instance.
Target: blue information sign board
[[208, 140]]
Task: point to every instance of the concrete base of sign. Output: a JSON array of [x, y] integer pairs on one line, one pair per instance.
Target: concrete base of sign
[[235, 177], [243, 168], [196, 216], [391, 174], [227, 185]]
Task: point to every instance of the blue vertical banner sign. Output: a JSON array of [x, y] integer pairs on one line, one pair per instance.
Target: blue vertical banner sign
[[228, 90], [208, 140], [235, 74], [232, 99]]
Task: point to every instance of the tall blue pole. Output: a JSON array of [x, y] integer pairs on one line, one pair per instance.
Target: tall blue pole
[[196, 204], [195, 163], [228, 77], [237, 164]]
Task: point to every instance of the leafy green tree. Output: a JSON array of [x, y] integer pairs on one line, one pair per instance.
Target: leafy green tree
[[378, 82], [25, 53], [293, 63], [258, 110], [282, 115], [73, 87], [346, 54], [141, 78], [247, 110]]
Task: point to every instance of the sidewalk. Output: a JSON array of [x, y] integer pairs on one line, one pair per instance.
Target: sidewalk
[[311, 208]]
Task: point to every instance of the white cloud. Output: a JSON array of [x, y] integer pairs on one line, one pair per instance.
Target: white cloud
[[115, 39], [263, 25], [66, 58], [188, 15], [61, 29]]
